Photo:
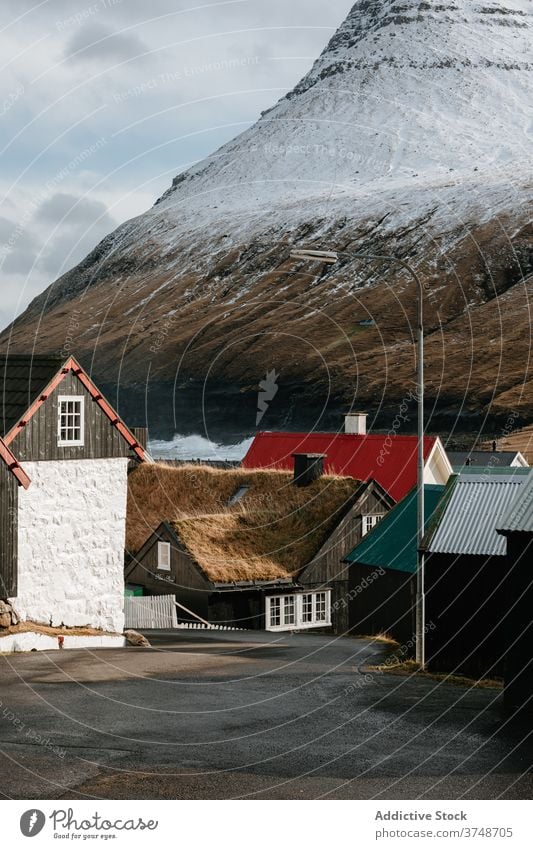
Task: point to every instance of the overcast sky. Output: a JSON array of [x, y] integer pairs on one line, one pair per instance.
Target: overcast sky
[[103, 103]]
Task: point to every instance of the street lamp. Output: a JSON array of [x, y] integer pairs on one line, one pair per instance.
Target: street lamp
[[331, 257]]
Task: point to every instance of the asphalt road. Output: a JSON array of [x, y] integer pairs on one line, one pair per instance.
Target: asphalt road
[[225, 715]]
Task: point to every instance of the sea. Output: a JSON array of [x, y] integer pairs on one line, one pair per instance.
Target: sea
[[197, 447]]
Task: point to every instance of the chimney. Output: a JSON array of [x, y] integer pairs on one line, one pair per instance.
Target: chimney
[[307, 468], [355, 423]]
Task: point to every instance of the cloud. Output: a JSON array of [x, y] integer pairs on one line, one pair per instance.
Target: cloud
[[97, 42], [18, 247], [75, 225], [71, 210], [71, 101]]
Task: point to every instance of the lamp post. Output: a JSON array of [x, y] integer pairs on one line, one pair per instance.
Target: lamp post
[[331, 257]]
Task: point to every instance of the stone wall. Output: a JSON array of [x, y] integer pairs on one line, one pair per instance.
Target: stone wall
[[71, 543]]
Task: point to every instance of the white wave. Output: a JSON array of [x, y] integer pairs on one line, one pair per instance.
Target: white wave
[[196, 447]]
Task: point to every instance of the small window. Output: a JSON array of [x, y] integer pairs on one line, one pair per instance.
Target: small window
[[307, 608], [289, 610], [163, 556], [238, 496], [71, 420], [320, 607], [370, 522], [275, 612]]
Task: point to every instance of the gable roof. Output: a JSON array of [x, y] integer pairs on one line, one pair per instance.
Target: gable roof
[[26, 383], [271, 533], [519, 516], [489, 459], [474, 509], [393, 466], [392, 544], [13, 465]]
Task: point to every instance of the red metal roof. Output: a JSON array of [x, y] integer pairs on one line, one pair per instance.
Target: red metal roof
[[390, 460]]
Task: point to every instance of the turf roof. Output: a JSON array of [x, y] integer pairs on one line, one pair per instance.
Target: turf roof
[[272, 532]]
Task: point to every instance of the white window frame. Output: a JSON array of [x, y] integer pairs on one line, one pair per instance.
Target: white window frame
[[71, 443], [369, 522], [296, 601], [163, 561]]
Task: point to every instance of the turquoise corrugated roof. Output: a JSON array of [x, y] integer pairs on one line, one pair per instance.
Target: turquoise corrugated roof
[[392, 544]]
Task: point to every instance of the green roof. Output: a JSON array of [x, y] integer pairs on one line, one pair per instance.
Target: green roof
[[392, 544]]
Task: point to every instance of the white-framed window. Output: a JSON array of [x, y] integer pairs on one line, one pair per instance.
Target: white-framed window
[[71, 420], [163, 556], [298, 611], [370, 521]]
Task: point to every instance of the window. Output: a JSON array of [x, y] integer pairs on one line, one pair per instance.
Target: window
[[238, 496], [274, 619], [307, 607], [370, 522], [298, 610], [71, 420], [289, 610], [320, 607], [163, 556]]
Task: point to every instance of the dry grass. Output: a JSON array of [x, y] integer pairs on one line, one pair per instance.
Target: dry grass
[[36, 628], [410, 667], [378, 638], [271, 533], [519, 440]]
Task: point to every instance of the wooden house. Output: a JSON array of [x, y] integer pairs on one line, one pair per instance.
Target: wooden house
[[382, 571], [467, 572], [388, 459], [252, 549], [516, 527], [63, 493], [462, 460]]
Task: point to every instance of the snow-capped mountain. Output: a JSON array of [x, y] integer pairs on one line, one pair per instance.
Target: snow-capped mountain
[[412, 134]]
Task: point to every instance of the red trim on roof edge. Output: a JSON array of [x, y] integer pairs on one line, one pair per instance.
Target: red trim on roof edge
[[73, 366], [13, 465]]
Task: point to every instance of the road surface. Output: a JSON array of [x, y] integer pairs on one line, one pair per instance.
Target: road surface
[[219, 715]]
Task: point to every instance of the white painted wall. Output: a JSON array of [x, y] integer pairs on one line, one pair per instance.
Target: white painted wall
[[72, 524], [438, 468]]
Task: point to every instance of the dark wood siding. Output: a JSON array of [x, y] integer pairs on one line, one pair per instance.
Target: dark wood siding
[[185, 580], [465, 600], [38, 440], [327, 568], [518, 624], [8, 533], [381, 601], [239, 609]]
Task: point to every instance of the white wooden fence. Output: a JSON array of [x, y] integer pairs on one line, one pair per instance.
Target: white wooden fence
[[159, 611]]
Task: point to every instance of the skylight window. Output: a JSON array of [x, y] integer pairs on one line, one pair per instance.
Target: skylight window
[[237, 496]]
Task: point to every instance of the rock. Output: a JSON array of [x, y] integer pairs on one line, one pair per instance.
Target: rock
[[135, 639], [5, 620], [5, 607], [14, 617]]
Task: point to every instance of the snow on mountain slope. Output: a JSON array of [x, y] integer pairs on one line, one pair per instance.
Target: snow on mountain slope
[[412, 133]]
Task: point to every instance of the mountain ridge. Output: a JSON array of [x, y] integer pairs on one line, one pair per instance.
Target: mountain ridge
[[200, 287]]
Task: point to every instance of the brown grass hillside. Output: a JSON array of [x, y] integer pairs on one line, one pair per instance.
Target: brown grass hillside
[[271, 533]]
